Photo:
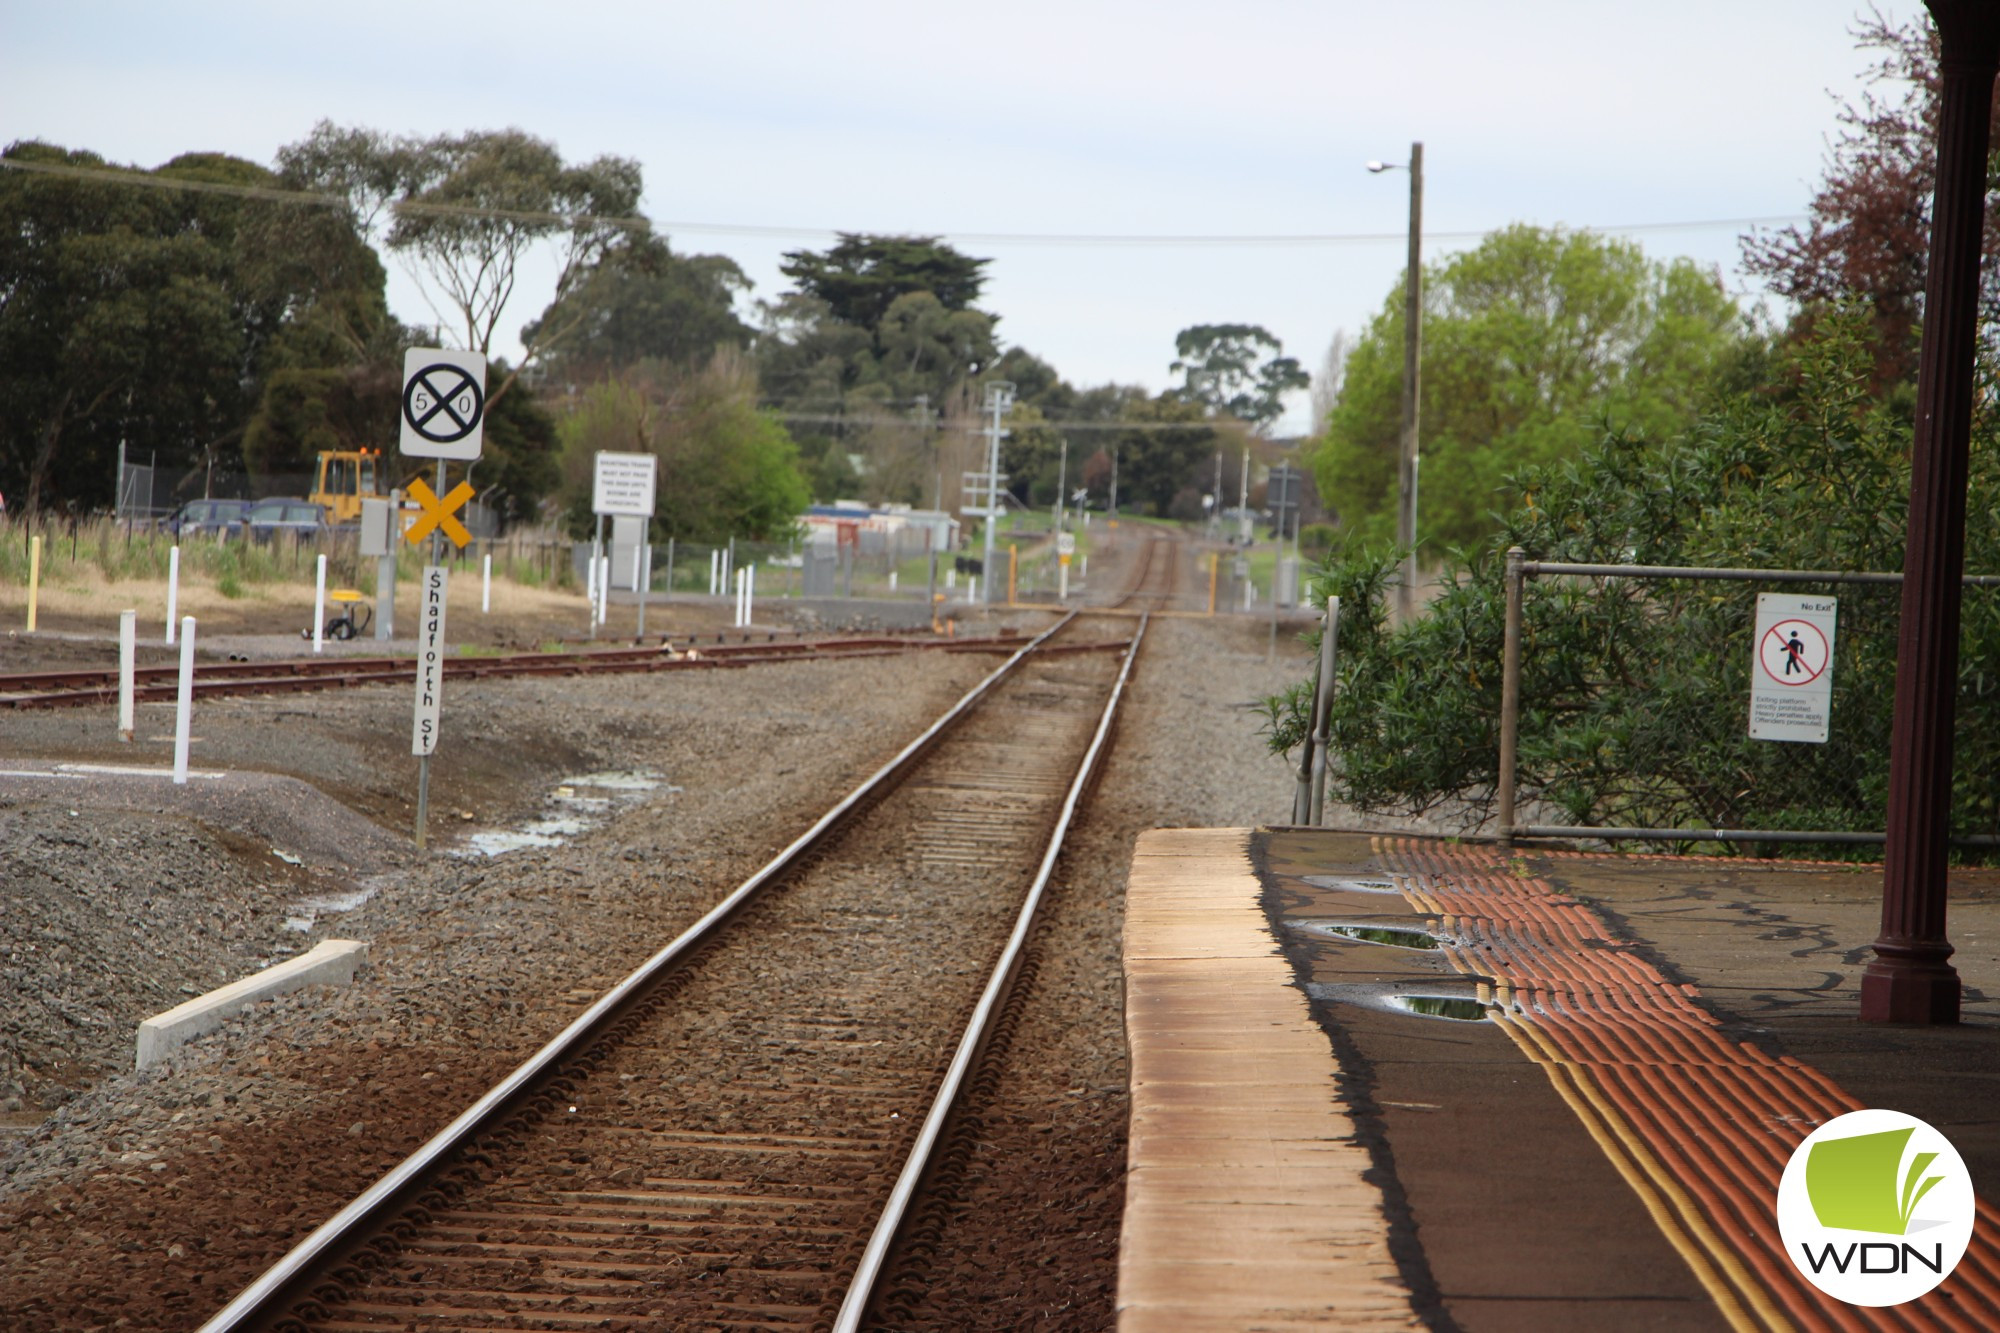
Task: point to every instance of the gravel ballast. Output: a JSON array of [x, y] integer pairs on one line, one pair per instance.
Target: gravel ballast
[[476, 961]]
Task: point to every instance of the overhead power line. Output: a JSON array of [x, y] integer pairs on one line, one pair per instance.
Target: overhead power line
[[973, 425], [1134, 240], [308, 198]]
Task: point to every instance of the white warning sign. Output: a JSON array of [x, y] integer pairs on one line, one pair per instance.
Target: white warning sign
[[623, 484], [1791, 669]]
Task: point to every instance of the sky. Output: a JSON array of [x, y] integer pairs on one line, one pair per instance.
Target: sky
[[1005, 128]]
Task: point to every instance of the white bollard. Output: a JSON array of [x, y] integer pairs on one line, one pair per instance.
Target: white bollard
[[486, 584], [951, 578], [173, 589], [737, 620], [603, 588], [714, 573], [750, 596], [184, 703], [892, 580], [972, 590], [319, 607], [590, 579], [128, 661], [645, 582], [1083, 570]]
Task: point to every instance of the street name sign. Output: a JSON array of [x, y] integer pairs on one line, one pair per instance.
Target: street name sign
[[430, 660], [1791, 668], [444, 404], [624, 485]]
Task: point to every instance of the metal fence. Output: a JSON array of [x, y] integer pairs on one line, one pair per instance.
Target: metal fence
[[792, 568], [1626, 694]]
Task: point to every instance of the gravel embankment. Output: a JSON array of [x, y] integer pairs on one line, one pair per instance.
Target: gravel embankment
[[474, 962]]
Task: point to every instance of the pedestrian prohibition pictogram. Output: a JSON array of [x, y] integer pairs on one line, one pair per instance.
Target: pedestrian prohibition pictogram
[[1793, 652], [443, 403], [439, 514], [1791, 667]]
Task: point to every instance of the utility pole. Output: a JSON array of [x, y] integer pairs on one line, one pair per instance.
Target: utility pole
[[1243, 499], [1215, 509], [1413, 341], [999, 401], [924, 415], [1113, 507], [1413, 337], [1062, 483]]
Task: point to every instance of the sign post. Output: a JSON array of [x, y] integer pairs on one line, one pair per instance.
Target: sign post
[[444, 411], [1065, 548], [1791, 668], [622, 486]]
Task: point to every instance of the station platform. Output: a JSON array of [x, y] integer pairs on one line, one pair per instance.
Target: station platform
[[1397, 1083]]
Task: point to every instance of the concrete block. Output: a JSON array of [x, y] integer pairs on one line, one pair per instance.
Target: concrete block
[[328, 963]]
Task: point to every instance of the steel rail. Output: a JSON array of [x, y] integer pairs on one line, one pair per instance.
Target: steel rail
[[861, 1292], [326, 666], [285, 1280], [153, 684], [1138, 585]]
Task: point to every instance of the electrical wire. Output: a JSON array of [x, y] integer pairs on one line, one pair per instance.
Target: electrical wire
[[995, 238], [977, 426]]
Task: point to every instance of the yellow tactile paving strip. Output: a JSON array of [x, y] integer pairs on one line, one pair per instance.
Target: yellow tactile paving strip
[[1699, 1125], [1245, 1203]]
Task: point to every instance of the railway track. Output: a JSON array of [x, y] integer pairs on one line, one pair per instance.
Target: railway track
[[1156, 583], [731, 1137], [95, 687]]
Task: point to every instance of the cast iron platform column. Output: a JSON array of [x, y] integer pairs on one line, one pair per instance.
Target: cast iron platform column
[[1910, 980]]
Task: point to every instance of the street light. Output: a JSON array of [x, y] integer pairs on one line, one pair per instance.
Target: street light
[[1413, 316]]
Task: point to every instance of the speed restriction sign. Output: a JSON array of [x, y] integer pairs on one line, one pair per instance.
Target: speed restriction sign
[[444, 404]]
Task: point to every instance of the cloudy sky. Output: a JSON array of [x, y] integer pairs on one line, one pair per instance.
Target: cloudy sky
[[1017, 129]]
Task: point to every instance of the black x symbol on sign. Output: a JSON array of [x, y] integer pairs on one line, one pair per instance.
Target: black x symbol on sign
[[447, 391]]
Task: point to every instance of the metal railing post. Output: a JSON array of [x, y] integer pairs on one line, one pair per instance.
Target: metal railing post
[[1329, 647], [1510, 691], [1302, 789]]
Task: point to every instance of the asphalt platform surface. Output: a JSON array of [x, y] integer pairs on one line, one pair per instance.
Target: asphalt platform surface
[[1503, 1211]]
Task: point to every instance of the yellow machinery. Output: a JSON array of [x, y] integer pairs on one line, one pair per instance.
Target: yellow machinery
[[346, 478]]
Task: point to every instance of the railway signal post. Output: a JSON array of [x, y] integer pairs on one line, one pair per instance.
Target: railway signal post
[[444, 410]]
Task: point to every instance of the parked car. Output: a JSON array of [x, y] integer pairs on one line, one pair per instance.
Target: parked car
[[297, 518], [207, 518]]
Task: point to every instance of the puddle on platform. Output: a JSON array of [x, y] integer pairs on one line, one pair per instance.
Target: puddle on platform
[[1422, 999], [1396, 937], [584, 800], [1443, 1006], [307, 910], [1348, 884]]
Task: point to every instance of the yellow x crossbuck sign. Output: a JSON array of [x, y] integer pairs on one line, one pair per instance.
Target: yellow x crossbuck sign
[[438, 513]]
